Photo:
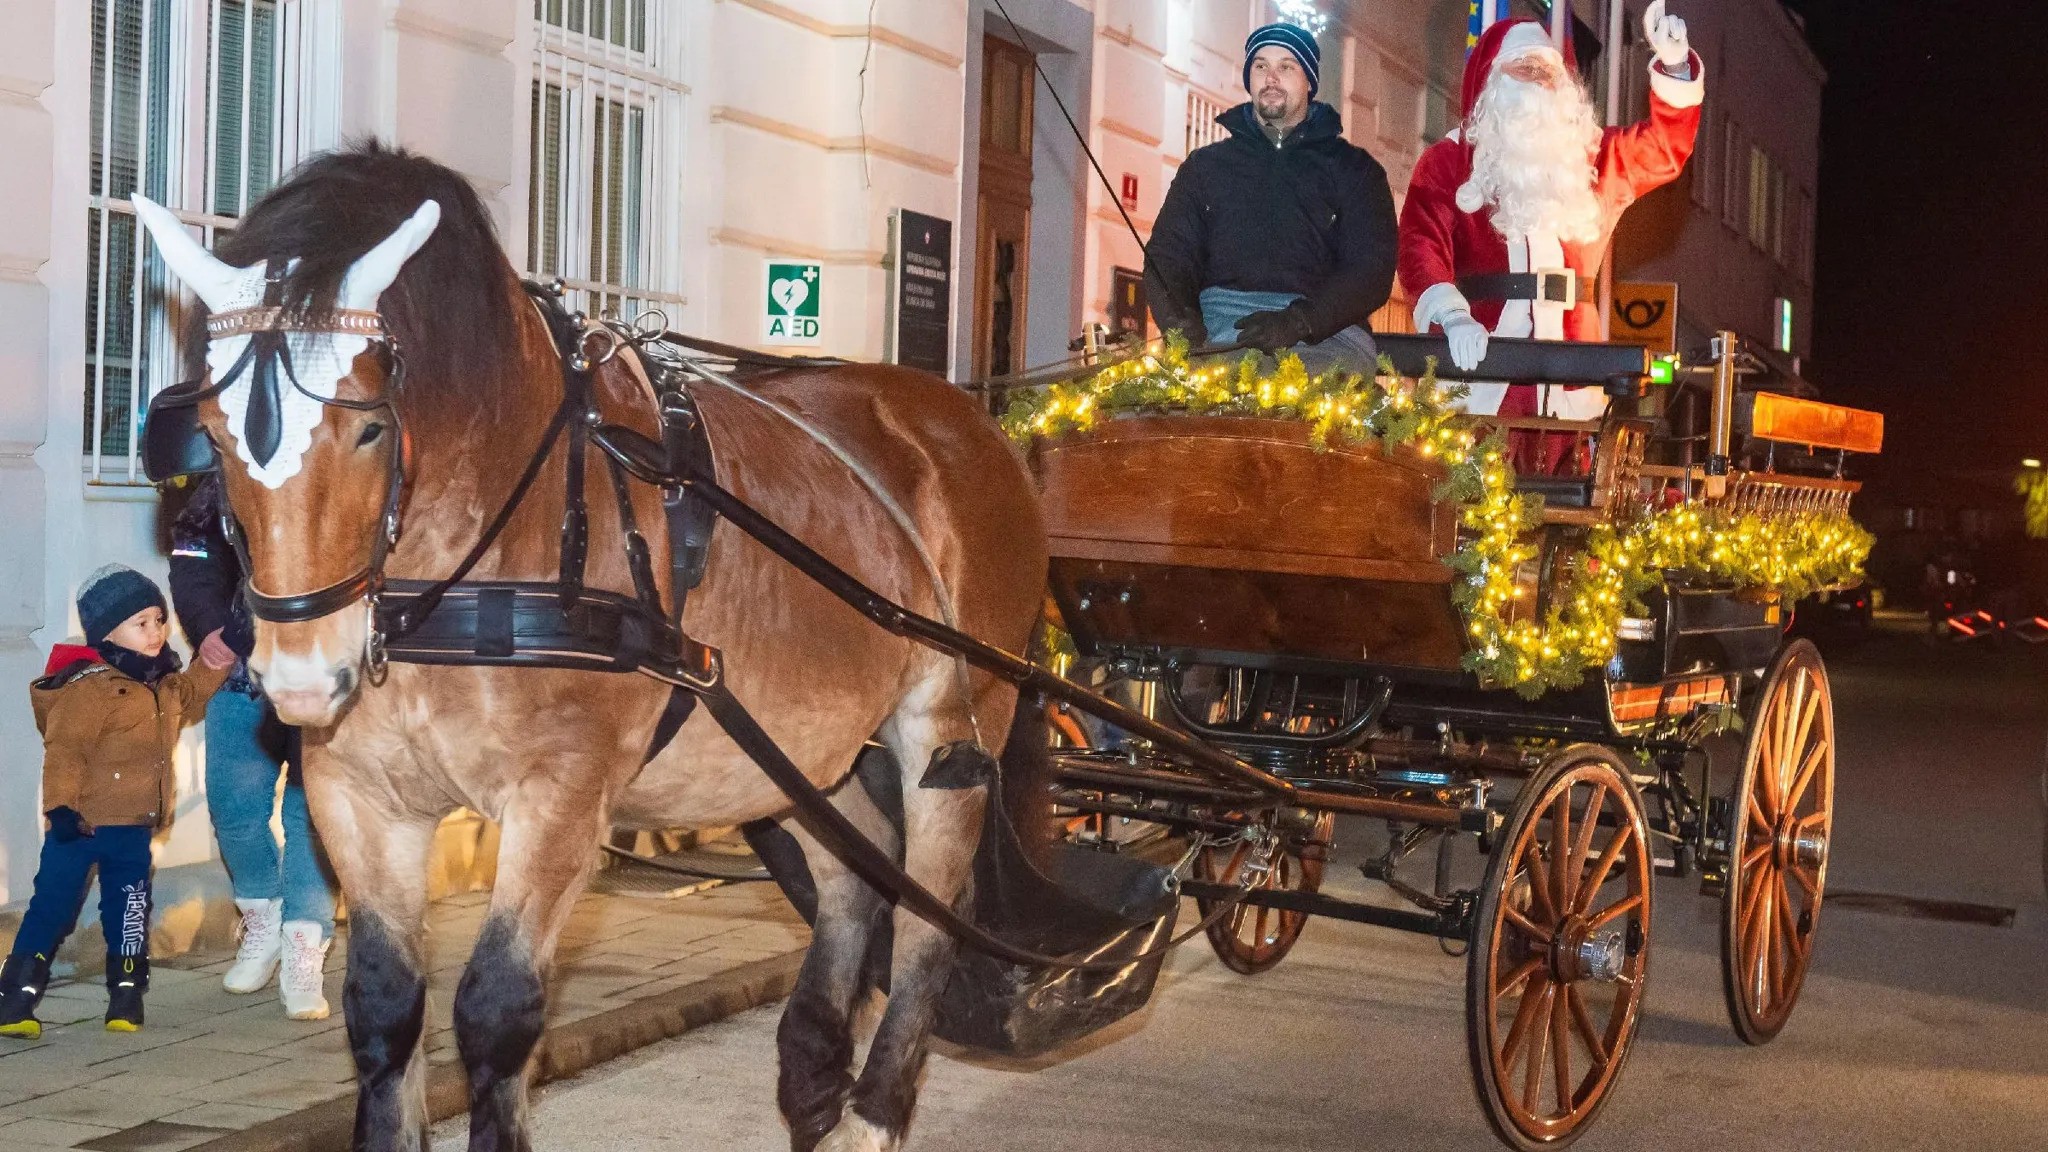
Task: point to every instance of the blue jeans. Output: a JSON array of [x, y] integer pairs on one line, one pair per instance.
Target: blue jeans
[[245, 751], [122, 853], [1351, 349]]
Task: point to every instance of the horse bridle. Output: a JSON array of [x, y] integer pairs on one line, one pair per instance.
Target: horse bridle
[[269, 352]]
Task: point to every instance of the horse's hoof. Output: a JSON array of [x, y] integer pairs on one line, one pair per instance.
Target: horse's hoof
[[854, 1134]]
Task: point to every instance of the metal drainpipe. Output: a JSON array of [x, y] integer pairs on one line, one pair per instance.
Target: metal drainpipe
[[1723, 415]]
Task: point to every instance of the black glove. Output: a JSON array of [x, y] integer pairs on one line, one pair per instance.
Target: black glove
[[1272, 331], [66, 825]]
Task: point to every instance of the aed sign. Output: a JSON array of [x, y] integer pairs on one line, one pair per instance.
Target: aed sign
[[1645, 314], [795, 288]]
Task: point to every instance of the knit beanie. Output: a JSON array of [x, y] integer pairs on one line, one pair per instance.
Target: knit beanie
[[1295, 39], [110, 596]]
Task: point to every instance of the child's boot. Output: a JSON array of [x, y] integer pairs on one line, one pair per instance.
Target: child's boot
[[127, 980], [22, 982]]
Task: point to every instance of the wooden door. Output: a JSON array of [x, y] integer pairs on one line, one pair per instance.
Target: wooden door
[[1003, 236]]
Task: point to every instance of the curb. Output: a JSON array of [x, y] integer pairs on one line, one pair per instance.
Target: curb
[[565, 1050]]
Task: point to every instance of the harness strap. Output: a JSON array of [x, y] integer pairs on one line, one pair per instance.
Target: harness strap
[[681, 702]]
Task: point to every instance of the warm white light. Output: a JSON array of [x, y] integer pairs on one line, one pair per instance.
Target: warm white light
[[2030, 462], [1303, 14]]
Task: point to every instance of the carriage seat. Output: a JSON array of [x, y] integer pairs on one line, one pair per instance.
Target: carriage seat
[[1558, 491]]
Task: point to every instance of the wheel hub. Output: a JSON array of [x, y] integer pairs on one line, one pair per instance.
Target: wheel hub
[[1578, 953], [1795, 850]]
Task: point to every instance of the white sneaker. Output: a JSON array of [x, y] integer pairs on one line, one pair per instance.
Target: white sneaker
[[302, 984], [256, 959]]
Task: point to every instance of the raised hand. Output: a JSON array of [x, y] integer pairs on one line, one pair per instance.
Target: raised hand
[[1666, 37]]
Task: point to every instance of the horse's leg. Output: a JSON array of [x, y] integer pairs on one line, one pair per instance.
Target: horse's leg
[[815, 1039], [944, 773], [379, 850], [551, 826]]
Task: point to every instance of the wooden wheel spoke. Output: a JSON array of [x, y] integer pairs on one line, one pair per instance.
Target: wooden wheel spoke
[[1614, 911], [1537, 934], [1533, 994], [1756, 856], [1532, 1078], [1807, 884], [1804, 780], [1259, 928], [1591, 891], [1538, 875], [1561, 854], [1582, 844], [1809, 708], [1582, 1019], [1788, 921], [1787, 720], [1561, 1049], [1759, 820], [1753, 879], [1518, 977], [1810, 820]]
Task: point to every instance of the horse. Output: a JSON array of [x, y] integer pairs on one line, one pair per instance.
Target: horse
[[417, 374]]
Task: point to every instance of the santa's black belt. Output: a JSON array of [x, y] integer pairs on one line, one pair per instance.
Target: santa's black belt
[[1556, 287]]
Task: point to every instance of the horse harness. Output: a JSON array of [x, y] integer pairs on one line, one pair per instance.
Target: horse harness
[[562, 623]]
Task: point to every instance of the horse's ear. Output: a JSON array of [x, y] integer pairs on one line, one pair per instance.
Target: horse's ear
[[370, 276], [211, 278]]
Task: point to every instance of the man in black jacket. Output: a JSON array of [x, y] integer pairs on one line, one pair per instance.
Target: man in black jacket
[[1284, 233]]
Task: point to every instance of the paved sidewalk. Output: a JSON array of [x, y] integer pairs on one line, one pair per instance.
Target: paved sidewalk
[[209, 1065]]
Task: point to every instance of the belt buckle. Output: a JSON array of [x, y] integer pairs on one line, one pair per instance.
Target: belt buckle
[[1557, 286]]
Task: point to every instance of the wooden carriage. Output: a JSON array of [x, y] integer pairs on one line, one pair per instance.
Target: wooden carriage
[[1293, 602]]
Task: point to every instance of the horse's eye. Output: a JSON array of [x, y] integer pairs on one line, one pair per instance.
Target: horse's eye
[[371, 431]]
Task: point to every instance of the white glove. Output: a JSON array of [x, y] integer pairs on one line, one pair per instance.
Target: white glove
[[1666, 37], [1467, 337]]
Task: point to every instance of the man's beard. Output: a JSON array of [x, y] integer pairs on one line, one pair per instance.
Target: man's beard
[[1532, 160]]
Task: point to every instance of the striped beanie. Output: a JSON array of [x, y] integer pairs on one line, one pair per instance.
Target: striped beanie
[[1295, 39]]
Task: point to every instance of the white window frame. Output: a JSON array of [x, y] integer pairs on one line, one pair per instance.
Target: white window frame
[[1202, 129], [186, 137], [590, 70]]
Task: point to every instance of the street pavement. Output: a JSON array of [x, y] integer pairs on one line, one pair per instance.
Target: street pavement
[[1911, 1034], [209, 1065]]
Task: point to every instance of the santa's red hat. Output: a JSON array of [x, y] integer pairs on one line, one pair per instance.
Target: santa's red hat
[[1502, 41]]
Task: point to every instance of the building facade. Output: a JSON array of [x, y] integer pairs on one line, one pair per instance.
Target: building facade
[[659, 154]]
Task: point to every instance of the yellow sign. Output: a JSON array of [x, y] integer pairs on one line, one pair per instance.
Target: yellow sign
[[1645, 314]]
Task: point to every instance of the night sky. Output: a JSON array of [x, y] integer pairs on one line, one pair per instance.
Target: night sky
[[1931, 290]]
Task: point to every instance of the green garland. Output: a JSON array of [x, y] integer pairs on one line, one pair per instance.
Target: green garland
[[1788, 556]]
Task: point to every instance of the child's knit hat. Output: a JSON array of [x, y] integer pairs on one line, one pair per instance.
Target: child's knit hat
[[111, 595]]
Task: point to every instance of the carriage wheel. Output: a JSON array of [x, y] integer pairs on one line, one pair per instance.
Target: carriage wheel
[[1248, 939], [1554, 978], [1783, 813]]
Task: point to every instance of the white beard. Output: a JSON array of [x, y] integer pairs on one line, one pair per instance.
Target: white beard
[[1532, 160]]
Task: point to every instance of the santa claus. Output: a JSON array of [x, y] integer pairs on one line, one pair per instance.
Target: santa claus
[[1509, 217]]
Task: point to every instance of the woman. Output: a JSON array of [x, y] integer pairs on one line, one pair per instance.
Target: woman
[[285, 896]]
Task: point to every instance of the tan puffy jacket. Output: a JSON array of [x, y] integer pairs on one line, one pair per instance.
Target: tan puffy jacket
[[107, 739]]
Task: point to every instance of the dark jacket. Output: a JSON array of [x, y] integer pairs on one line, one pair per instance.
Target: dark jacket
[[107, 739], [1313, 217], [206, 575]]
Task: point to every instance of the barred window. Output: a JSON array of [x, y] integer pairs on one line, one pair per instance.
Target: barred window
[[603, 186], [189, 101]]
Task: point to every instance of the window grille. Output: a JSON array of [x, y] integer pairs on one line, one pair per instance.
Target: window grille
[[197, 105], [1203, 129], [1733, 173], [603, 178], [1701, 173], [1759, 198]]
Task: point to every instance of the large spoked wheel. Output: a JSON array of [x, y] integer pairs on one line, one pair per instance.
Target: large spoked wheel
[[1782, 815], [1554, 978], [1248, 939]]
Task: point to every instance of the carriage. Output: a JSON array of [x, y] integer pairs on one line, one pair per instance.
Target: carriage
[[1335, 617]]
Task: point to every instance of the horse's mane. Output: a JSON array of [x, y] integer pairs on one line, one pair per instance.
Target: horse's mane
[[453, 306]]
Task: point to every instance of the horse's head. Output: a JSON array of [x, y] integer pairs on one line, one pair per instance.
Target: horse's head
[[297, 405]]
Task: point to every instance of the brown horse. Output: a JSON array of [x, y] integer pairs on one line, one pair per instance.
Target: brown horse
[[553, 755]]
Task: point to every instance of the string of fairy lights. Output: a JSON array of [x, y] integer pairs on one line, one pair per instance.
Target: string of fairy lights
[[1786, 555]]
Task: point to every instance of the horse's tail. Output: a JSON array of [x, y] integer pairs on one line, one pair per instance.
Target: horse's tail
[[1027, 778]]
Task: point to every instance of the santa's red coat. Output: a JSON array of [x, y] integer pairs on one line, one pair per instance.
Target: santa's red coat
[[1440, 243]]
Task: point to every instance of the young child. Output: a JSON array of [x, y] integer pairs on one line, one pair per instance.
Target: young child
[[110, 716]]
